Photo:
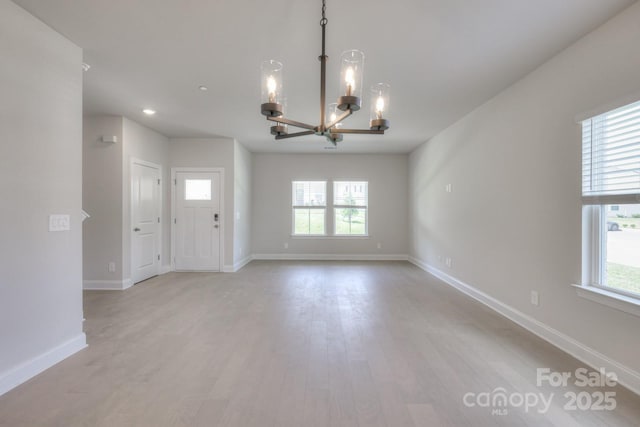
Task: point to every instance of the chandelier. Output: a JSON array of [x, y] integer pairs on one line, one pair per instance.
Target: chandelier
[[332, 115]]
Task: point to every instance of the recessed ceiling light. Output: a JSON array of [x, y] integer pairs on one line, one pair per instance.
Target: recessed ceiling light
[[203, 88], [149, 111], [85, 66]]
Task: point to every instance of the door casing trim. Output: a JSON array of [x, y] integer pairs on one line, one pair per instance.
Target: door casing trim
[[135, 160]]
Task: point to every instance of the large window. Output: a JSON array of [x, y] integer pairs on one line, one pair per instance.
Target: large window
[[347, 200], [309, 199], [610, 194], [350, 208]]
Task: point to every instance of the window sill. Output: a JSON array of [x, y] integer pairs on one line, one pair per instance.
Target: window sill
[[611, 299], [297, 236]]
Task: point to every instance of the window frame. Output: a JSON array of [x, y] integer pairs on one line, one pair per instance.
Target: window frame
[[596, 249], [295, 207], [365, 207], [329, 219], [594, 230]]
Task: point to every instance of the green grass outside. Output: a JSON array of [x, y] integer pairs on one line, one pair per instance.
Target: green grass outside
[[311, 222], [353, 224], [623, 277]]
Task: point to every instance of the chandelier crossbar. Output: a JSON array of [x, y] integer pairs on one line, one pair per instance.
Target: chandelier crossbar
[[292, 123], [339, 119], [359, 131], [293, 135]]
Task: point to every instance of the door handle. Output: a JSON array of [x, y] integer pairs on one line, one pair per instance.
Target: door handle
[[136, 229], [216, 226]]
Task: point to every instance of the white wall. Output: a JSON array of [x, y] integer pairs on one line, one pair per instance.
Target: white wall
[[211, 153], [102, 198], [388, 200], [512, 221], [242, 205], [107, 196], [142, 143], [107, 193], [40, 174]]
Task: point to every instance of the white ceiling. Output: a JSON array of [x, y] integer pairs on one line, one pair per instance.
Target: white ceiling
[[443, 58]]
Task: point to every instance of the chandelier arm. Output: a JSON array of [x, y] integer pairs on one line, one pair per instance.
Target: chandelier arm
[[363, 131], [293, 135], [339, 119], [292, 123]]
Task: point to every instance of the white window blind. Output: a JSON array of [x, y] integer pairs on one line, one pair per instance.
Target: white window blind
[[350, 193], [611, 156]]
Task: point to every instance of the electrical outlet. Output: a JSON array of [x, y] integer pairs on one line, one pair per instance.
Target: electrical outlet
[[379, 245], [112, 267], [448, 188], [535, 298], [59, 223], [440, 259], [286, 246], [448, 262]]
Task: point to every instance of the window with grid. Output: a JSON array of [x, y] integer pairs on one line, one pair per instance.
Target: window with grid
[[350, 204], [610, 197], [309, 202]]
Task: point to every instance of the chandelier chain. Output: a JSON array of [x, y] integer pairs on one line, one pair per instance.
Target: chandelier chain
[[324, 20]]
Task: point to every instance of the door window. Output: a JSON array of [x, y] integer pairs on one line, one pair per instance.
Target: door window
[[197, 189]]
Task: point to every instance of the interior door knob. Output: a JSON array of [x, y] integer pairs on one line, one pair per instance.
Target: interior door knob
[[136, 229]]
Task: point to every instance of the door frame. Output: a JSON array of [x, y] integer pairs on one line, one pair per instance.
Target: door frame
[[174, 183], [132, 161]]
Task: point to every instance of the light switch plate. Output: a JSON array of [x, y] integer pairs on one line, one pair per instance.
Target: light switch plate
[[535, 298], [59, 223]]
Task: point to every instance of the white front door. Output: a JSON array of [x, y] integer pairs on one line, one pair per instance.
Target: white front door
[[145, 220], [197, 221]]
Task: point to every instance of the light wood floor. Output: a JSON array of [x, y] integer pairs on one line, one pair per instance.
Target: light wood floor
[[297, 344]]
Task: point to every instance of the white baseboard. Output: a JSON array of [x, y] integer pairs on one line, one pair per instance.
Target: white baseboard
[[626, 376], [106, 285], [332, 257], [32, 367], [116, 285], [238, 265]]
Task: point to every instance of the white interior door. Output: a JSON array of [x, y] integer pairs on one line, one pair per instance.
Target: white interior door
[[197, 221], [145, 220]]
